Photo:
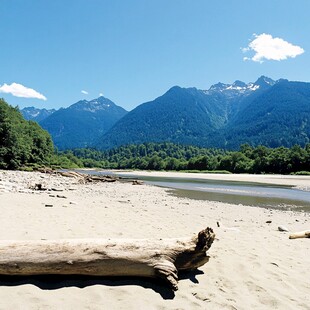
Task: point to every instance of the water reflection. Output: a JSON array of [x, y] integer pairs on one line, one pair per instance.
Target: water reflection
[[236, 192], [265, 202]]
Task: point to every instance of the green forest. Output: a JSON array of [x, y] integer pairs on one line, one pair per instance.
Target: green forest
[[169, 156], [25, 145], [22, 143]]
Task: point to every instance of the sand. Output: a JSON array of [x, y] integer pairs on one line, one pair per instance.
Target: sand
[[252, 264]]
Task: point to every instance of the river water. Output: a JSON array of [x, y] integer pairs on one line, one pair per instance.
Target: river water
[[236, 192]]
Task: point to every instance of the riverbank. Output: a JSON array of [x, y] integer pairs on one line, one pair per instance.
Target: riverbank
[[267, 191], [297, 181], [252, 264]]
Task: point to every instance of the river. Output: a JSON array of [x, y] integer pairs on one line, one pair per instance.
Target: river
[[236, 192]]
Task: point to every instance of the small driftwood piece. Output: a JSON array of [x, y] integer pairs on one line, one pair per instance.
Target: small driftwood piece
[[159, 258], [300, 234]]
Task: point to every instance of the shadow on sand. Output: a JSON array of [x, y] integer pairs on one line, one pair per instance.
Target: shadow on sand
[[54, 282]]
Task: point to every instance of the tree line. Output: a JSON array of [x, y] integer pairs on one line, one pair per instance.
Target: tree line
[[169, 156], [22, 143]]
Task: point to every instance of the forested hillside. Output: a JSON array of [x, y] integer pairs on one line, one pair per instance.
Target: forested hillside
[[82, 123], [278, 117], [21, 142], [267, 112]]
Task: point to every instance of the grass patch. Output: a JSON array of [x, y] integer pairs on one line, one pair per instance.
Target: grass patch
[[208, 171], [301, 173]]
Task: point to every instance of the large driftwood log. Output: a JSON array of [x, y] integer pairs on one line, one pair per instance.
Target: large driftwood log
[[161, 258], [300, 234], [71, 174], [87, 178]]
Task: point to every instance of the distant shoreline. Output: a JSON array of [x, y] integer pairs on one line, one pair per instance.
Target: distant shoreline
[[299, 182]]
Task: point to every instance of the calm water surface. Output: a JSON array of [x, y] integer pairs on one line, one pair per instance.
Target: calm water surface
[[247, 193]]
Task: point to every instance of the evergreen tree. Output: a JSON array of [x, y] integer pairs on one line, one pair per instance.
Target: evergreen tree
[[21, 142]]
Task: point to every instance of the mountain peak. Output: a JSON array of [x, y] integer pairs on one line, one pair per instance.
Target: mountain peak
[[175, 88], [82, 123], [264, 81], [239, 88], [219, 86], [94, 105], [235, 89], [238, 83]]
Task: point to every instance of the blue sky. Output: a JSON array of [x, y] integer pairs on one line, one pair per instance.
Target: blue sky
[[56, 52]]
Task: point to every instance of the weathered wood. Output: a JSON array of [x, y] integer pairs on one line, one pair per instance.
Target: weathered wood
[[88, 178], [161, 258], [300, 234], [71, 174]]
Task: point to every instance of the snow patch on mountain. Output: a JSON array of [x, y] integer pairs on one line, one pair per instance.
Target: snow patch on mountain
[[239, 88]]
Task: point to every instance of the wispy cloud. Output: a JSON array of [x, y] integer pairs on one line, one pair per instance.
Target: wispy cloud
[[101, 94], [22, 91], [84, 92], [268, 48]]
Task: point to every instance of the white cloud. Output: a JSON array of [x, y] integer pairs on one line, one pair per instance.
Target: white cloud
[[19, 90], [84, 92], [101, 94], [268, 48]]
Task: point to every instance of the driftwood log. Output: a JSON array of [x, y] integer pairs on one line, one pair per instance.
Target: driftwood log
[[88, 178], [300, 234], [161, 258], [71, 174]]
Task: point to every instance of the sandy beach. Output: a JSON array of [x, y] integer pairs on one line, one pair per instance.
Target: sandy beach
[[252, 266]]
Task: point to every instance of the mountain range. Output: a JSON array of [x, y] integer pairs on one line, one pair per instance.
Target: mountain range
[[35, 114], [267, 112]]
